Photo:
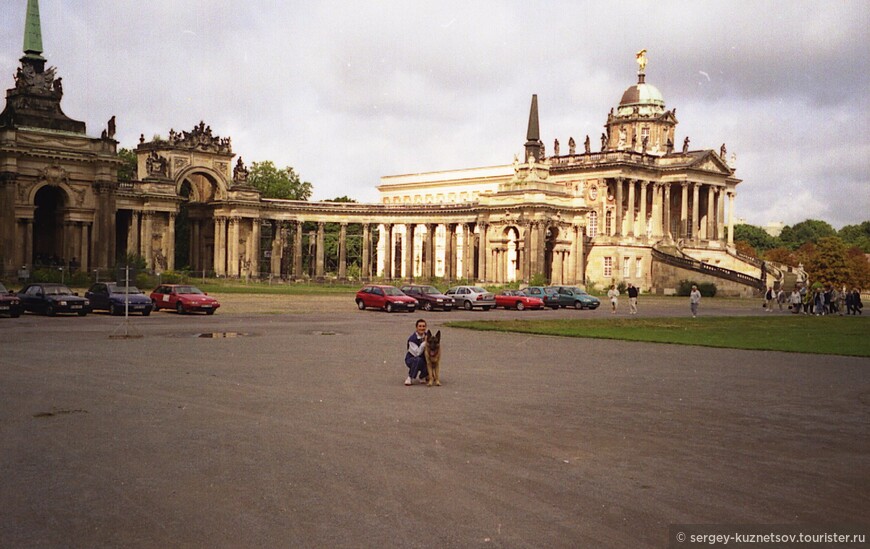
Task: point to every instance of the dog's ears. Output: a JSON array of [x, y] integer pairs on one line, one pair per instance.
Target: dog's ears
[[428, 333], [438, 335]]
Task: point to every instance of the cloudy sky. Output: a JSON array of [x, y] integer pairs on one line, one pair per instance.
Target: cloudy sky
[[349, 91]]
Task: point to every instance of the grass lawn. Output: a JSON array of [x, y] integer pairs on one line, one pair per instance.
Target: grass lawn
[[831, 335]]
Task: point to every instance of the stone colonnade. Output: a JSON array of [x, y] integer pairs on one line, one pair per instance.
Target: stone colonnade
[[687, 210]]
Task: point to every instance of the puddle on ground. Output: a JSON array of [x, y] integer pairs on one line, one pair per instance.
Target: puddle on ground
[[222, 335], [58, 413]]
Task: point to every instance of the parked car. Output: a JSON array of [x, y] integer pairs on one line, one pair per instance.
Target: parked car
[[516, 299], [470, 297], [547, 295], [388, 298], [10, 304], [50, 299], [184, 298], [572, 296], [429, 297], [112, 297]]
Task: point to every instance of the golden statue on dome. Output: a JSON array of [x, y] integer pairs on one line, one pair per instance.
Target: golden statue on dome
[[641, 60]]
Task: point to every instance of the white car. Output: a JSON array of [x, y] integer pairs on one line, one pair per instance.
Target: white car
[[470, 297]]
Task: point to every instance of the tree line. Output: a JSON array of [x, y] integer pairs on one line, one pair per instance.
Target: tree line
[[828, 256]]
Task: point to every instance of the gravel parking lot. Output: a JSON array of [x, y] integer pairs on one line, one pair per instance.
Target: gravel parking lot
[[292, 428]]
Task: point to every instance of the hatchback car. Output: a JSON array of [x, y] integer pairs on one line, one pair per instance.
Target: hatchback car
[[572, 296], [183, 298], [50, 299], [516, 299], [429, 297], [547, 295], [388, 298], [112, 297], [10, 304], [470, 297]]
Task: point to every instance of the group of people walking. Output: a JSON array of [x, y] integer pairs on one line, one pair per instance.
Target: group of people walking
[[822, 300]]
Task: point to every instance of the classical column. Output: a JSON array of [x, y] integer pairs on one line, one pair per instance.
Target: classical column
[[619, 231], [720, 214], [467, 251], [169, 247], [216, 247], [410, 230], [342, 251], [233, 259], [297, 250], [730, 218], [632, 223], [388, 250], [450, 251], [85, 255], [684, 209], [27, 238], [147, 239], [255, 245], [666, 204], [428, 270], [710, 203], [366, 251], [321, 250], [277, 247], [133, 234], [483, 252], [657, 211], [642, 231], [541, 248], [556, 277], [696, 223], [580, 262], [68, 250]]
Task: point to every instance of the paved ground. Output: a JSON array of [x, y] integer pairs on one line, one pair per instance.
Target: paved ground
[[302, 434]]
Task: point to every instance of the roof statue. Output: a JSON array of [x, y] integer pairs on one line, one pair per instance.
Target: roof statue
[[641, 60]]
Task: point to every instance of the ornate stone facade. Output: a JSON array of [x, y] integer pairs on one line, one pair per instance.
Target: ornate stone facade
[[577, 218]]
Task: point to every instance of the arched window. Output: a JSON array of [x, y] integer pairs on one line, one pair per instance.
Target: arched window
[[592, 224]]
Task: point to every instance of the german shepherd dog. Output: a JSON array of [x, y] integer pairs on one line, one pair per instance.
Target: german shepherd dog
[[433, 357]]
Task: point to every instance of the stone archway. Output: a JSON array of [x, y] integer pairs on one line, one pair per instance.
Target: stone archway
[[511, 258], [551, 238], [201, 192], [49, 248]]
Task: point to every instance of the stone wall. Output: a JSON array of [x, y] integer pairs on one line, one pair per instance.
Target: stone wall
[[666, 280]]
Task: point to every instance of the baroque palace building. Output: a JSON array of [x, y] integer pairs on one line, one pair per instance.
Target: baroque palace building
[[636, 210]]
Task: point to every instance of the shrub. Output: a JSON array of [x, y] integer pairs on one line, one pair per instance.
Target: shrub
[[707, 289], [538, 279]]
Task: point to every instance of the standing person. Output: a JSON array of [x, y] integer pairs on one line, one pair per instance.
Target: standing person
[[415, 360], [805, 298], [795, 301], [780, 298], [694, 300], [769, 297], [857, 306], [841, 300], [632, 299], [613, 294]]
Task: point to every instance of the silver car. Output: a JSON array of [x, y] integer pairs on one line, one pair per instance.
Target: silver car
[[470, 297]]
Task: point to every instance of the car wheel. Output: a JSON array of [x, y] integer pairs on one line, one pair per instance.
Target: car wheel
[[520, 306], [388, 307], [209, 312], [578, 305], [50, 310], [427, 306], [555, 307], [154, 306], [83, 313], [115, 310], [486, 307], [14, 315], [360, 304], [468, 306], [146, 312], [179, 308]]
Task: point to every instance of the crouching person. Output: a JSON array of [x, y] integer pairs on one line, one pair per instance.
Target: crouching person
[[415, 360]]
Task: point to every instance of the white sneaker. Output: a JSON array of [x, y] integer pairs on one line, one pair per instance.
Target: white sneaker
[[407, 381]]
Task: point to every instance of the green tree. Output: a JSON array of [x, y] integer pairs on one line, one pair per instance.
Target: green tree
[[810, 230], [755, 237], [857, 235], [127, 171], [344, 198], [278, 183]]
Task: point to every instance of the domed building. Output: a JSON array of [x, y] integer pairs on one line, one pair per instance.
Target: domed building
[[636, 210]]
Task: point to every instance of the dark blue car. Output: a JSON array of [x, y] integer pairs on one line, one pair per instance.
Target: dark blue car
[[112, 297], [50, 299]]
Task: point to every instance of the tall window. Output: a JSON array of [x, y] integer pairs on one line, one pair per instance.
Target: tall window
[[608, 267], [608, 223], [592, 224], [626, 267], [639, 267]]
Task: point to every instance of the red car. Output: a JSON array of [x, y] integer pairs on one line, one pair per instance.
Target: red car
[[388, 298], [515, 299], [184, 298]]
